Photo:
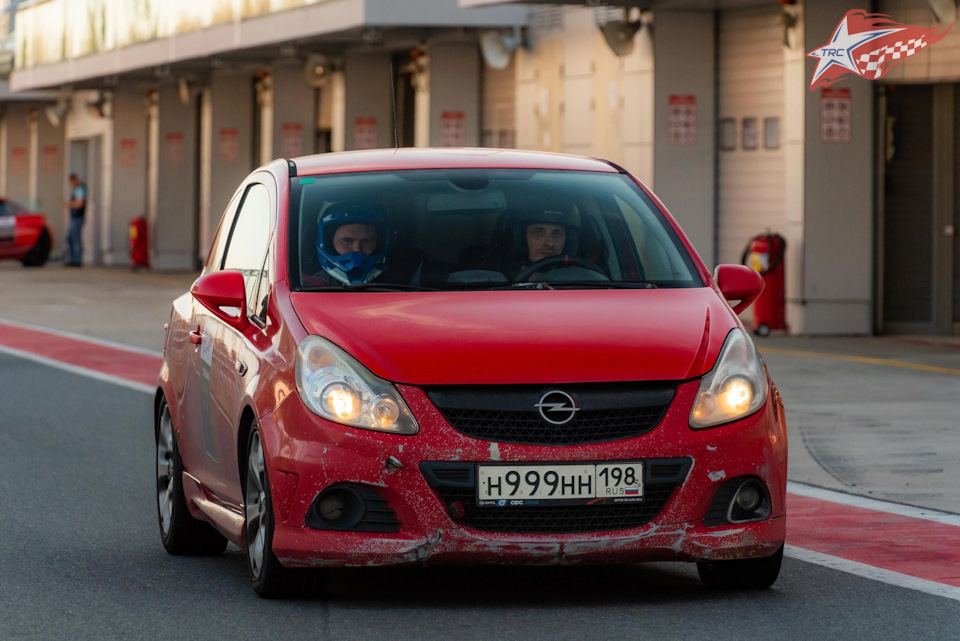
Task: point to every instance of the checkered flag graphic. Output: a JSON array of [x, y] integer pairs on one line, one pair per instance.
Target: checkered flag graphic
[[872, 63]]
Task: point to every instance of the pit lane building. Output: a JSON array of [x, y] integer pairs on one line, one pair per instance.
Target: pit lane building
[[163, 107]]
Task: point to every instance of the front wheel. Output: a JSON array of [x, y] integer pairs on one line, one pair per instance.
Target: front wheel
[[270, 579], [743, 574], [37, 255], [180, 533]]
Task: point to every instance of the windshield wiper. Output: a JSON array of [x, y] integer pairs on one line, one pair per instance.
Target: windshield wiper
[[602, 284], [533, 284], [368, 287]]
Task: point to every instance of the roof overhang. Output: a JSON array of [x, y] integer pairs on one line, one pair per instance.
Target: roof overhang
[[6, 95], [336, 24], [643, 4]]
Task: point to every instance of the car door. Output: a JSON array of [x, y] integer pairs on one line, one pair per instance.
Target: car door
[[227, 354], [192, 327]]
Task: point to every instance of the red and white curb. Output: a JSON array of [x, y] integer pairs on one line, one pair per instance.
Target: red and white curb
[[905, 546], [129, 367]]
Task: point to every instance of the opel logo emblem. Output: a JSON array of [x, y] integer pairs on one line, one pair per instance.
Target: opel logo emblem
[[557, 408]]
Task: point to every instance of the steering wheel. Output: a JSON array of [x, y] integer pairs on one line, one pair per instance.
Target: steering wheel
[[553, 262]]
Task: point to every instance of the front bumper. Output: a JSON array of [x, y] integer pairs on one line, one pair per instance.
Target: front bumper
[[306, 454]]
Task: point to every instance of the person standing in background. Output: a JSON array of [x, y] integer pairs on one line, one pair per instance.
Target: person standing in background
[[78, 210]]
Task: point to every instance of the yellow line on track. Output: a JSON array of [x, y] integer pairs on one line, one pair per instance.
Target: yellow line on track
[[861, 359]]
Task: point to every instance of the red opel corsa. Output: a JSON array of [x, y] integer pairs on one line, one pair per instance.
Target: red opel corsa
[[467, 356]]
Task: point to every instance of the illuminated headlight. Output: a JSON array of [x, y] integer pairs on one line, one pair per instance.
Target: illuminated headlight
[[337, 387], [735, 387]]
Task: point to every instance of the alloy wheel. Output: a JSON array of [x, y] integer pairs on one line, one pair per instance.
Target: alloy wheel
[[255, 506], [165, 473]]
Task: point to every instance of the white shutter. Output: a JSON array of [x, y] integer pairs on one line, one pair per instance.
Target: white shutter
[[751, 183]]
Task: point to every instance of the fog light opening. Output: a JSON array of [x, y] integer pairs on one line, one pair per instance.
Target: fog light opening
[[749, 503], [340, 508], [748, 498], [331, 507]]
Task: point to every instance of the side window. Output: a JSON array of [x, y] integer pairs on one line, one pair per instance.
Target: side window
[[248, 241], [215, 257]]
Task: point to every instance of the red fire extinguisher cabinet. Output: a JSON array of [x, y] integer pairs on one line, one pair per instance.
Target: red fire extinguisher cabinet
[[139, 249], [765, 254]]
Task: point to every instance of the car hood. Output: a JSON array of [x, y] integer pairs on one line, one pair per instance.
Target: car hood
[[516, 337]]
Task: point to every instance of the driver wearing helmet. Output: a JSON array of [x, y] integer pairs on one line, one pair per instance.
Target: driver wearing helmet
[[352, 242], [546, 233]]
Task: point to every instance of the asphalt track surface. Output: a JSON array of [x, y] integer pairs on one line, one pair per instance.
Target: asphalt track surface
[[82, 558]]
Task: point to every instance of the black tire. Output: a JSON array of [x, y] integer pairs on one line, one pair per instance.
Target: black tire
[[37, 255], [270, 579], [745, 574], [762, 330], [181, 534]]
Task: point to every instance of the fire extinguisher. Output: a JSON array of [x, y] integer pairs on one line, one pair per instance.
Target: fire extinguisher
[[765, 254], [139, 249]]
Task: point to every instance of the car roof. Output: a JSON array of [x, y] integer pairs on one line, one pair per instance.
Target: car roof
[[445, 158]]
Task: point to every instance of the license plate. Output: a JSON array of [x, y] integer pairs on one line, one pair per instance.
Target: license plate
[[559, 483]]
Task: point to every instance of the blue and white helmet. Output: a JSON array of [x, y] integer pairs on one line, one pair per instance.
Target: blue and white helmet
[[356, 267]]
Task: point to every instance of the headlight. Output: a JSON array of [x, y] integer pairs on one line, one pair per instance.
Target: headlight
[[734, 388], [337, 387]]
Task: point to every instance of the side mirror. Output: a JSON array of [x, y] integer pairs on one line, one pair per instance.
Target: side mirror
[[225, 294], [739, 284]]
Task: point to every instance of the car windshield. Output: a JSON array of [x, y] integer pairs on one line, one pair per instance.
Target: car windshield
[[469, 229]]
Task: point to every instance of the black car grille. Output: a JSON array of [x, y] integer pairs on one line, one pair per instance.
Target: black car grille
[[509, 414], [569, 519], [454, 484]]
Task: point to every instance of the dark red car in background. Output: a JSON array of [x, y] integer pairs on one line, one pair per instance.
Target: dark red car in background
[[24, 235], [465, 356]]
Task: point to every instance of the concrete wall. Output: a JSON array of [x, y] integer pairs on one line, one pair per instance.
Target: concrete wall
[[368, 113], [51, 177], [130, 168], [18, 154], [454, 92], [684, 50], [838, 201], [795, 88], [174, 241], [936, 63], [294, 112], [232, 156]]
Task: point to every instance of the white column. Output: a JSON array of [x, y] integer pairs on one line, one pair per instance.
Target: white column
[[153, 168], [421, 110], [206, 174], [265, 101], [3, 155], [34, 155], [338, 111]]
